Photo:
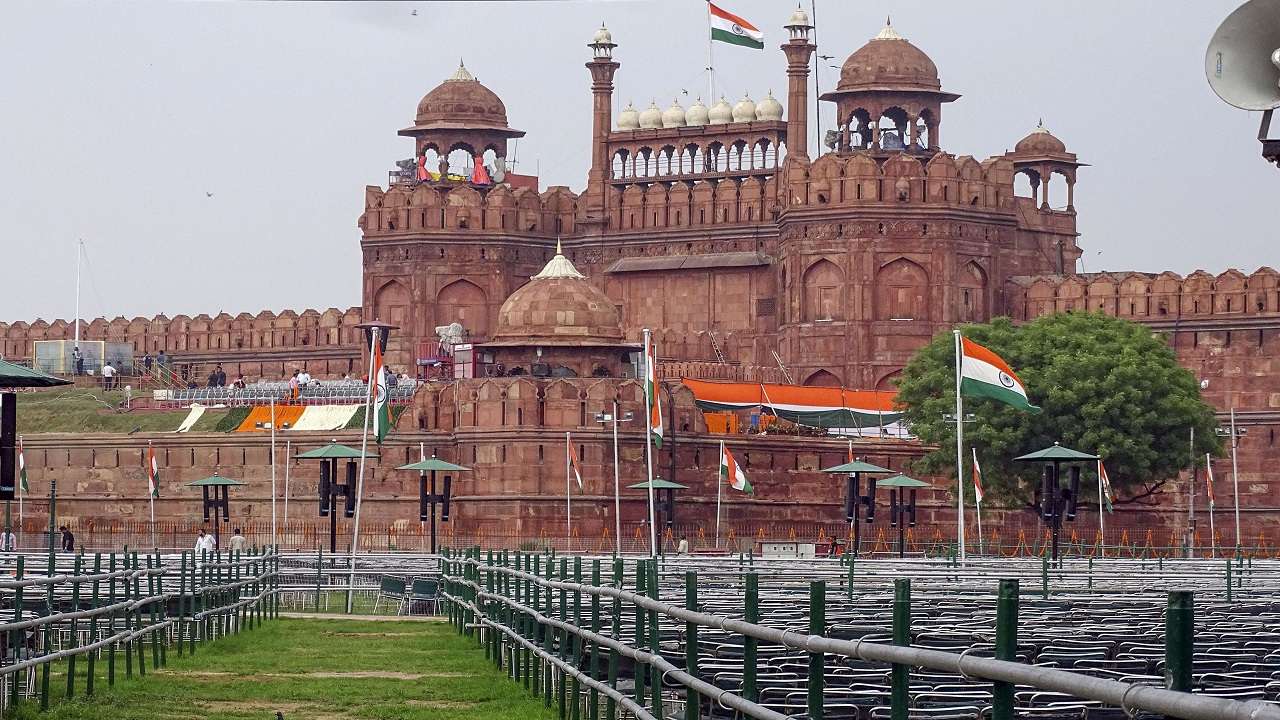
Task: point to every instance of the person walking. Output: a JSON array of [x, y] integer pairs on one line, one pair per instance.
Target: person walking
[[77, 360], [108, 376], [146, 363], [205, 543], [238, 541], [8, 541], [68, 540], [293, 386]]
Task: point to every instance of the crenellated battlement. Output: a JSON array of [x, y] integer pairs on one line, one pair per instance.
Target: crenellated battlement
[[1147, 296], [463, 208]]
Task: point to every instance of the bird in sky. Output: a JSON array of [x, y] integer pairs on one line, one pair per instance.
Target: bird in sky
[[208, 194]]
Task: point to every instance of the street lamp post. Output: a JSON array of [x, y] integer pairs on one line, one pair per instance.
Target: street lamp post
[[1235, 434], [613, 419]]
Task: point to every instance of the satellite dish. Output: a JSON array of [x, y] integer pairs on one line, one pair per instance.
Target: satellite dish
[[1242, 62]]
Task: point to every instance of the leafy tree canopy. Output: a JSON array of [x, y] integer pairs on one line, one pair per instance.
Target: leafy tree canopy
[[1107, 386]]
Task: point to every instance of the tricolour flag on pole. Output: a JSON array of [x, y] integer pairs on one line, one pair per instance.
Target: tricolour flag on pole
[[573, 463], [1208, 483], [22, 468], [729, 28], [381, 396], [651, 388], [1107, 496], [977, 478], [731, 472], [153, 472], [984, 374]]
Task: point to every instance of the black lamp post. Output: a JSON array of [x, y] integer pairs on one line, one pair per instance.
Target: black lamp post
[[1055, 503], [215, 492], [330, 489], [902, 507], [427, 495], [854, 499]]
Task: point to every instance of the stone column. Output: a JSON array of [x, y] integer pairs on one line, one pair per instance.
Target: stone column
[[798, 51]]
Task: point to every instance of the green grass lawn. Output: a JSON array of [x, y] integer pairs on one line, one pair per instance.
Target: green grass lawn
[[84, 410], [312, 670]]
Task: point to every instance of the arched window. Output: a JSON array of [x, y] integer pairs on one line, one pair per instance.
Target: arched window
[[902, 291], [823, 282]]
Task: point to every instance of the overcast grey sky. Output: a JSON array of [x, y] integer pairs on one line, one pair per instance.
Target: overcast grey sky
[[119, 117]]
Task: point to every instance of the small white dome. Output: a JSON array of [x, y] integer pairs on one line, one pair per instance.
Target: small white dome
[[769, 108], [799, 18], [602, 36], [673, 116], [629, 119], [745, 110], [720, 113], [651, 117], [697, 114]]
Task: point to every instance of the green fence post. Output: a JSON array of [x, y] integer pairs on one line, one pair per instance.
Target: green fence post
[[849, 580], [564, 642], [111, 619], [817, 661], [1006, 646], [1228, 580], [535, 597], [900, 690], [138, 621], [749, 644], [575, 709], [593, 698], [1044, 577], [319, 575], [1091, 574], [93, 623], [182, 597], [641, 617], [193, 626], [655, 634], [164, 610], [127, 594], [691, 702], [151, 607], [1179, 640], [548, 635], [615, 632], [16, 641], [75, 636]]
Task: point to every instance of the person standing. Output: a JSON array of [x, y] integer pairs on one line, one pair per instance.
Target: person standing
[[108, 376], [8, 541], [220, 376], [68, 540], [162, 361], [293, 386], [146, 363], [77, 361], [238, 541], [683, 547], [205, 543]]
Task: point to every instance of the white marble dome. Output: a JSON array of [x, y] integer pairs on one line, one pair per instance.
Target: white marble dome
[[629, 118], [799, 18], [602, 36], [745, 110], [673, 116], [697, 114], [769, 108], [651, 117], [720, 113]]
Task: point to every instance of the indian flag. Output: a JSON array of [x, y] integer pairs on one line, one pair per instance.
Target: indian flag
[[651, 390], [574, 466], [153, 472], [1208, 482], [731, 472], [729, 28], [1107, 495], [984, 374], [379, 390], [22, 468], [977, 478]]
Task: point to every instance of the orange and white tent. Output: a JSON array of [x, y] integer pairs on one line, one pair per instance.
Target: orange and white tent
[[823, 407]]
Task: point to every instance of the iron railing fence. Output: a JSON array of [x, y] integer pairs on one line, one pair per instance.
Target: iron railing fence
[[698, 634], [118, 608]]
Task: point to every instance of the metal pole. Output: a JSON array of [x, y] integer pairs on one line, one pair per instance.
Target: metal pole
[[79, 252], [719, 484], [817, 661], [1179, 642], [568, 506], [691, 705], [959, 449], [617, 484], [899, 677], [1235, 477], [288, 455], [1191, 499], [274, 537], [749, 644], [650, 397], [364, 445], [1006, 646]]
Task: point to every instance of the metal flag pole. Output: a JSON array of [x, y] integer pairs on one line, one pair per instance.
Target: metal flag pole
[[719, 486], [1191, 501], [711, 65], [568, 494], [617, 483], [79, 252], [288, 455], [650, 396], [1235, 476], [151, 494], [959, 451], [274, 536], [1102, 511], [1213, 539], [21, 490], [364, 447]]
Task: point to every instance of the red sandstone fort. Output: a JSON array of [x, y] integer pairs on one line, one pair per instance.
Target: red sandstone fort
[[749, 258]]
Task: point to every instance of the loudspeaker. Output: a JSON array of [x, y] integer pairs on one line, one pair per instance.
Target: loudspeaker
[[1049, 493], [325, 489], [870, 500], [850, 497], [1242, 62], [895, 510], [350, 510], [204, 497], [422, 499], [8, 443], [911, 509], [444, 509], [1073, 496]]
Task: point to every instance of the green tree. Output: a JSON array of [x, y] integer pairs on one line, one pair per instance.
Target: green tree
[[1107, 386]]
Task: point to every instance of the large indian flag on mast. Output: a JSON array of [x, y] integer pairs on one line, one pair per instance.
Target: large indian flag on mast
[[381, 395], [731, 472], [729, 28], [985, 374], [651, 390]]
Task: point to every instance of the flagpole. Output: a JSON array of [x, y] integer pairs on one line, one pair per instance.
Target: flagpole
[[1102, 511], [617, 483], [1191, 502], [1235, 477], [978, 503], [21, 490], [288, 455], [364, 446], [151, 494], [711, 65], [273, 471], [1213, 540], [959, 451], [651, 374], [719, 485], [568, 494]]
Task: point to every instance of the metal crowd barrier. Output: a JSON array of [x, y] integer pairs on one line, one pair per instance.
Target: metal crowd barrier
[[121, 607], [730, 650]]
